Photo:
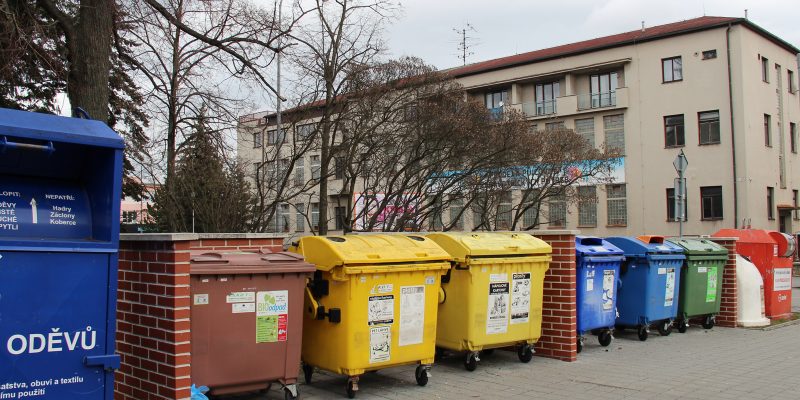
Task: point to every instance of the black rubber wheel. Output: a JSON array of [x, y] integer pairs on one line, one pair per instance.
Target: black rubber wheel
[[421, 374], [487, 352], [664, 328], [351, 392], [604, 338], [308, 372], [682, 326], [580, 345], [642, 332], [525, 353], [470, 362], [708, 322], [287, 395]]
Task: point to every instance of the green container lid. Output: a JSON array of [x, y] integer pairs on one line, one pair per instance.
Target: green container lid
[[699, 246]]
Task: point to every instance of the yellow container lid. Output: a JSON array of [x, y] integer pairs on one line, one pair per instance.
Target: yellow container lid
[[462, 245], [327, 252]]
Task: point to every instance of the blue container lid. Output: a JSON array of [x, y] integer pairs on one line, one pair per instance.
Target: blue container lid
[[595, 246], [637, 247]]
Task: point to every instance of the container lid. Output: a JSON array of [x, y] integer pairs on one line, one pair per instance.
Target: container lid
[[483, 244], [595, 246], [38, 126], [327, 252], [746, 235], [651, 245], [699, 246], [247, 262]]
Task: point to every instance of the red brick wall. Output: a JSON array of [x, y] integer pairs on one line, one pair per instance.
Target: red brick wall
[[153, 310], [559, 313], [729, 309]]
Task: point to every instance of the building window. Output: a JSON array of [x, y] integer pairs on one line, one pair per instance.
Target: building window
[[504, 212], [793, 136], [554, 126], [299, 217], [338, 167], [315, 216], [711, 202], [672, 69], [585, 128], [770, 202], [709, 54], [256, 167], [671, 206], [280, 221], [557, 210], [790, 79], [546, 94], [128, 217], [495, 101], [614, 126], [673, 131], [709, 127], [436, 222], [587, 206], [603, 89], [767, 130], [457, 215], [299, 172], [530, 217], [304, 132], [258, 139], [794, 203], [315, 167], [274, 138], [764, 69], [617, 205], [341, 217]]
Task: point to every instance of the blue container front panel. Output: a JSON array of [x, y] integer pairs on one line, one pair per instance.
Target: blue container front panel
[[597, 294], [649, 291], [55, 310]]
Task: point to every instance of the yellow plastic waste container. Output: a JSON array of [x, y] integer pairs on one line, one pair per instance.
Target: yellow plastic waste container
[[493, 294], [371, 304]]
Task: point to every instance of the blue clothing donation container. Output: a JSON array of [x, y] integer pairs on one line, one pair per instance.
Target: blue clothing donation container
[[60, 184], [598, 263], [650, 277]]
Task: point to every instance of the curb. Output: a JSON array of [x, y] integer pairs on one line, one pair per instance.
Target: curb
[[782, 325]]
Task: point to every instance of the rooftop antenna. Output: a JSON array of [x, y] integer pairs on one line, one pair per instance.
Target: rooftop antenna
[[745, 13], [465, 43], [642, 26]]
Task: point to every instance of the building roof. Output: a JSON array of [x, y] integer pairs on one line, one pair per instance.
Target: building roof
[[621, 39]]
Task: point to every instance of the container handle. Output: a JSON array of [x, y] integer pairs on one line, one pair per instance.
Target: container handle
[[47, 148]]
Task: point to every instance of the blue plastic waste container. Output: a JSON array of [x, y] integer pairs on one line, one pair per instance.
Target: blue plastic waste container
[[60, 186], [597, 263], [650, 279]]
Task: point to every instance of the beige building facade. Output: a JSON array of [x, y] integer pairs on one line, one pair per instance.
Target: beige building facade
[[722, 90]]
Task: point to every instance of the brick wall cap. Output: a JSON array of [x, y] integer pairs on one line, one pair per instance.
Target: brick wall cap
[[554, 232], [177, 237]]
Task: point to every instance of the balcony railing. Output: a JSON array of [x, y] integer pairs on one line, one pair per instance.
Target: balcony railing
[[539, 108], [597, 100]]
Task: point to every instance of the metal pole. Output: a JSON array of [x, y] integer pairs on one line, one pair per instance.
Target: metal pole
[[682, 216]]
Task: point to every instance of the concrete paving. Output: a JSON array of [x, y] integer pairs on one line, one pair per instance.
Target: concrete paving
[[720, 363]]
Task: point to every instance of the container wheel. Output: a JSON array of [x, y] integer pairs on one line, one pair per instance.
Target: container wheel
[[665, 328], [308, 372], [421, 374], [683, 326], [471, 362], [580, 344], [709, 321], [525, 353], [351, 389], [287, 395], [604, 338], [642, 332]]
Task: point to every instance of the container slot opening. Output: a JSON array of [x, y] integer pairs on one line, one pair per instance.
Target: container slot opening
[[591, 241]]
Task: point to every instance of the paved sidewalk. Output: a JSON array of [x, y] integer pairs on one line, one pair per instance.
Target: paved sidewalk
[[716, 364]]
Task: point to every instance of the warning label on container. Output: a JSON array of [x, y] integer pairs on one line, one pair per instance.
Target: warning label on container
[[201, 299], [590, 281], [380, 309], [608, 289], [669, 293], [272, 316], [241, 297], [782, 279], [711, 288], [412, 315], [497, 313], [380, 342], [240, 308], [520, 297]]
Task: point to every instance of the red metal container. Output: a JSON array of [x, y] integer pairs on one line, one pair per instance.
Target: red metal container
[[247, 320], [771, 252]]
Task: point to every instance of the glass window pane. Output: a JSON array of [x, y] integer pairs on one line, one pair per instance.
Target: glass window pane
[[677, 68], [667, 66]]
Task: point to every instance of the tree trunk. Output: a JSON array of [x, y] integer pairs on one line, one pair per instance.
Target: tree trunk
[[90, 60]]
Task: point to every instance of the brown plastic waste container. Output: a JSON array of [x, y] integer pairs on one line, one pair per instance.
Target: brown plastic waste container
[[247, 320]]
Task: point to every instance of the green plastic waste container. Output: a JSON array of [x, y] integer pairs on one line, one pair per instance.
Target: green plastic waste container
[[701, 281]]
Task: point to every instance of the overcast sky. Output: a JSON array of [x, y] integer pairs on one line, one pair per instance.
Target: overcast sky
[[506, 27]]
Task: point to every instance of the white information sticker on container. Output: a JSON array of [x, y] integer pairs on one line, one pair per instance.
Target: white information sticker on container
[[430, 280], [497, 313], [702, 270], [520, 297], [498, 277], [589, 280], [412, 315], [662, 271], [380, 342], [241, 308], [383, 288], [608, 289], [201, 299], [380, 309], [669, 293], [241, 297], [782, 279]]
